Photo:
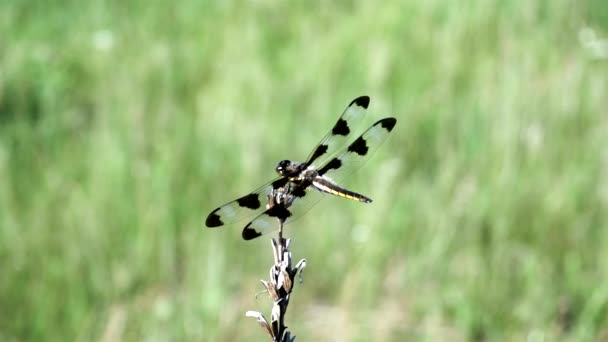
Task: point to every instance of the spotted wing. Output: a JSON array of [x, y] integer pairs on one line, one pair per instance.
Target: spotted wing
[[358, 152], [338, 135], [244, 207], [268, 221]]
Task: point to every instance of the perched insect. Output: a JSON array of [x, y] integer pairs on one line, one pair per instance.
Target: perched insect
[[301, 185]]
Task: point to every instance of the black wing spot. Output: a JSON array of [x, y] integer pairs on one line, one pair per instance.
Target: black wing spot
[[251, 201], [250, 233], [300, 191], [341, 128], [279, 183], [387, 123], [279, 211], [359, 146], [361, 101], [333, 164], [319, 151], [214, 220]]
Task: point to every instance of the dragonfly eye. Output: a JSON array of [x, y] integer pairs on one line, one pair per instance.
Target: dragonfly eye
[[282, 166]]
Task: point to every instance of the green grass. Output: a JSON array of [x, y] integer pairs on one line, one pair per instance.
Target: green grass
[[123, 125]]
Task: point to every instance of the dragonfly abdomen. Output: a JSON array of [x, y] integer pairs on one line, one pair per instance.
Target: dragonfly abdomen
[[325, 185]]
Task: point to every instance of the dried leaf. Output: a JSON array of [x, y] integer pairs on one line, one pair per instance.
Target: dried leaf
[[262, 321]]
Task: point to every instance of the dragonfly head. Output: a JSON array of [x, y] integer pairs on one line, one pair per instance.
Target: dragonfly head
[[288, 168], [284, 167]]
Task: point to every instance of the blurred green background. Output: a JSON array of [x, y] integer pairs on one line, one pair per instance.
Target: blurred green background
[[122, 124]]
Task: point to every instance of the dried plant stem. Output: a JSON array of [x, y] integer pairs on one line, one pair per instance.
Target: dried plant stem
[[279, 289]]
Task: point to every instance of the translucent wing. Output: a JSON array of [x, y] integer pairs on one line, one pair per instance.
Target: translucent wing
[[337, 137], [358, 152], [244, 207]]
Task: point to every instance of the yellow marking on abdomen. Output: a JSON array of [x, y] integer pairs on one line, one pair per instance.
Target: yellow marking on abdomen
[[341, 194], [334, 191]]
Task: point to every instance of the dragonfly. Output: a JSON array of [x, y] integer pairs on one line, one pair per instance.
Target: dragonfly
[[300, 185]]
